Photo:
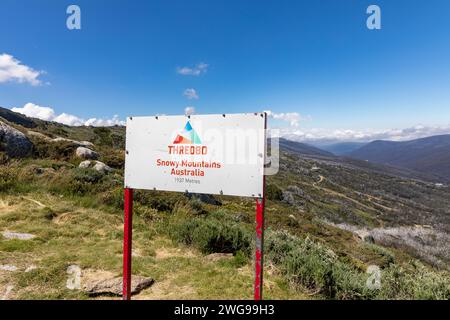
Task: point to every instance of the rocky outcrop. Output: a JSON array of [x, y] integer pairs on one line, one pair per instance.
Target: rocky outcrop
[[85, 153], [84, 164], [15, 235], [114, 286], [205, 198], [99, 166], [85, 144], [14, 142]]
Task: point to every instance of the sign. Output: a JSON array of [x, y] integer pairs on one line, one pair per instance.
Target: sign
[[215, 154]]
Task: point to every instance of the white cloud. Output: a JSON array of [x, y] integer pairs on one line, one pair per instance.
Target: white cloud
[[199, 69], [48, 114], [293, 118], [35, 111], [348, 135], [68, 119], [189, 111], [11, 69], [104, 122], [190, 94]]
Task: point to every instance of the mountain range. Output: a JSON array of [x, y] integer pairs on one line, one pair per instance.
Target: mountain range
[[429, 155]]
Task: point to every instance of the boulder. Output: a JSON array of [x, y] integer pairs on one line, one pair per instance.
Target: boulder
[[205, 198], [8, 267], [19, 236], [84, 164], [101, 167], [85, 153], [113, 286], [86, 144], [288, 198], [14, 142]]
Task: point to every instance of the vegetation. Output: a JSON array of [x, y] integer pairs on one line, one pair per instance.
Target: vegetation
[[76, 215]]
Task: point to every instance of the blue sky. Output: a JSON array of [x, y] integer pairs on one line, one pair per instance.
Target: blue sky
[[313, 61]]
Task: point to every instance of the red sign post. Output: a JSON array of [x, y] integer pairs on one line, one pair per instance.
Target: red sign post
[[259, 253], [127, 241]]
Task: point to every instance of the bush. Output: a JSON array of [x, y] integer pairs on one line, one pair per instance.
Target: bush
[[62, 150], [115, 160], [420, 283], [161, 201], [273, 192], [8, 178], [211, 234], [82, 181], [103, 136], [308, 264], [313, 266]]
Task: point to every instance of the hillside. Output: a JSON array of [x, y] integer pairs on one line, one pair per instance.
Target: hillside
[[328, 219], [428, 155], [303, 148], [341, 148]]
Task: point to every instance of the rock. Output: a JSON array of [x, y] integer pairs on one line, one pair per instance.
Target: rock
[[31, 268], [20, 236], [205, 198], [86, 144], [7, 292], [369, 239], [101, 167], [14, 142], [84, 164], [218, 256], [7, 267], [288, 198], [85, 153], [38, 135], [365, 236], [113, 286], [296, 190]]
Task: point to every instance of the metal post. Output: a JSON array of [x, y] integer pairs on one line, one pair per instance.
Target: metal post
[[259, 254], [127, 241]]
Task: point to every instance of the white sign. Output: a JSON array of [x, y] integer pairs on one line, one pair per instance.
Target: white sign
[[215, 154]]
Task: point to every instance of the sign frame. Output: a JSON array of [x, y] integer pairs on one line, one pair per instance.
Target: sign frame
[[259, 248]]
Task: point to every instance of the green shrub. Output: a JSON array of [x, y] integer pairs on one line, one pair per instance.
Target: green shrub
[[161, 201], [313, 266], [273, 192], [83, 181], [420, 283], [62, 150], [8, 178], [114, 198], [212, 233], [115, 160], [103, 136]]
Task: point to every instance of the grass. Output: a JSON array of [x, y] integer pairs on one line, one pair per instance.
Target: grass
[[76, 215], [92, 239]]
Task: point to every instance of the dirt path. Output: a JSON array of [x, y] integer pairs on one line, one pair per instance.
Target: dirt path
[[341, 195]]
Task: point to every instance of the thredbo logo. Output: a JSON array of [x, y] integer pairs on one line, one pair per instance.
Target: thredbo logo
[[187, 155], [187, 143]]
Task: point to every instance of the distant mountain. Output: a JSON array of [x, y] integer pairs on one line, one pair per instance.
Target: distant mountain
[[428, 155], [306, 151], [303, 148], [340, 148]]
